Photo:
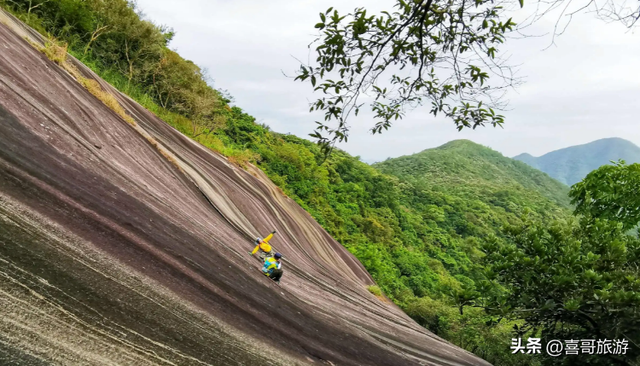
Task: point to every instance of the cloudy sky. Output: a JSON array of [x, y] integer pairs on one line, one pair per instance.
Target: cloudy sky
[[585, 87]]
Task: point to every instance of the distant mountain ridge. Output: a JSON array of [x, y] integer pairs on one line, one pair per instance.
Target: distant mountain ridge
[[570, 165]]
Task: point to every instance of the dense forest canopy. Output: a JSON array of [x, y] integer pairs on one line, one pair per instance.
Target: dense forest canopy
[[457, 236]]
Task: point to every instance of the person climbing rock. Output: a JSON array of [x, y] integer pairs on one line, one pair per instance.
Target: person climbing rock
[[263, 246], [273, 267]]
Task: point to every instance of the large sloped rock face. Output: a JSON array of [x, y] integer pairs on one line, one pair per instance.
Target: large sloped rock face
[[128, 245]]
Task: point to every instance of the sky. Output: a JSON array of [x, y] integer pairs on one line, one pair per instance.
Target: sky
[[583, 87]]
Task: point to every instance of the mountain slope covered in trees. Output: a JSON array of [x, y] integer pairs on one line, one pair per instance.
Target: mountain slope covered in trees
[[462, 164], [570, 165]]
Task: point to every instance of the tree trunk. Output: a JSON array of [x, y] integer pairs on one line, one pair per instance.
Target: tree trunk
[[98, 32]]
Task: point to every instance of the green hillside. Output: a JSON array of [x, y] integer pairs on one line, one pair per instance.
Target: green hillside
[[475, 172], [572, 164]]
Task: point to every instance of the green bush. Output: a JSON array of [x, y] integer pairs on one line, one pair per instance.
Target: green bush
[[375, 290]]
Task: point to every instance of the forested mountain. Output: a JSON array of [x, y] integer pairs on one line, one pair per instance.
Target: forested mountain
[[478, 172], [571, 164]]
